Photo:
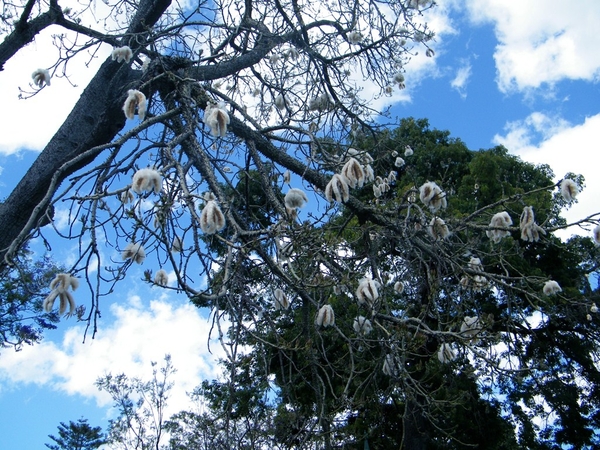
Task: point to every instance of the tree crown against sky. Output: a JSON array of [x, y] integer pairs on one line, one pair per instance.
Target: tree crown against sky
[[22, 316], [252, 171], [77, 436]]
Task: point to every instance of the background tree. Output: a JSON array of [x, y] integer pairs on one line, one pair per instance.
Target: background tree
[[256, 171], [77, 436], [141, 407], [22, 317]]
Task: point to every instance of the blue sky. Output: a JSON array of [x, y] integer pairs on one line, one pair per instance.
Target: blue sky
[[523, 74]]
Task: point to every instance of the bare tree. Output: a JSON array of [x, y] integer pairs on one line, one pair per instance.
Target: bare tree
[[141, 406], [236, 145]]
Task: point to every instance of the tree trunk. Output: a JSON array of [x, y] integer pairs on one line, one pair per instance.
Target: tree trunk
[[95, 120], [413, 425]]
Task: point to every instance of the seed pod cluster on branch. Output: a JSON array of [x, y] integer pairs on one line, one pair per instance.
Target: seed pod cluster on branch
[[393, 317]]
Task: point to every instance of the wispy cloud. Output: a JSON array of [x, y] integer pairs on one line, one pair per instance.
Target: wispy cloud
[[533, 130], [462, 78]]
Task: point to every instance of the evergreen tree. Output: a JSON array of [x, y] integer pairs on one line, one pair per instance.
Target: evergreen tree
[[366, 283], [77, 436]]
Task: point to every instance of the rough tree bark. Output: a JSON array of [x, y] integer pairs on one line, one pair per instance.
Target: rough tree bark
[[96, 119]]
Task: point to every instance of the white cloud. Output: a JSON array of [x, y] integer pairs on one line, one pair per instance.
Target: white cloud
[[460, 81], [139, 335], [566, 148], [33, 121], [29, 123], [542, 41], [534, 128]]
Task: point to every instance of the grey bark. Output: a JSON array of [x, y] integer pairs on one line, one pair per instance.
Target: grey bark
[[25, 30], [96, 119]]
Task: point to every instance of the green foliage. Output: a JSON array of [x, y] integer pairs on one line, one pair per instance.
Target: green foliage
[[141, 407], [329, 382], [77, 436], [22, 291]]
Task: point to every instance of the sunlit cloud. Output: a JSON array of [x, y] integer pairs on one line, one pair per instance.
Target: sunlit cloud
[[565, 147], [541, 41], [142, 332], [460, 81]]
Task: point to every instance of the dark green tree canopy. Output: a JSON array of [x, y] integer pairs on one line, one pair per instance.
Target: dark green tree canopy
[[364, 281], [77, 436]]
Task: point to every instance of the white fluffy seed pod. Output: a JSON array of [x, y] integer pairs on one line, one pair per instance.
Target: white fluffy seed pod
[[596, 235], [398, 287], [135, 99], [499, 220], [530, 231], [399, 78], [354, 173], [281, 300], [446, 354], [392, 176], [551, 287], [376, 191], [217, 119], [208, 196], [121, 54], [63, 281], [146, 180], [177, 245], [280, 101], [369, 173], [408, 151], [66, 299], [432, 196], [438, 229], [287, 177], [295, 198], [49, 301], [399, 162], [569, 189], [161, 278], [367, 291], [325, 316], [292, 213], [354, 37], [477, 283], [337, 189], [126, 197], [212, 218], [135, 252], [527, 217], [41, 77], [363, 156], [470, 327], [320, 103], [362, 325], [475, 264], [291, 53], [390, 365], [594, 308]]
